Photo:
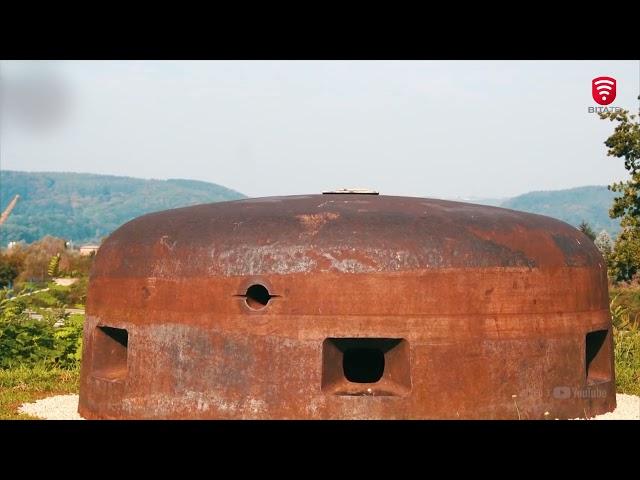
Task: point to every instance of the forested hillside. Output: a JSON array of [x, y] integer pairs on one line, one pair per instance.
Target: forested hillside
[[85, 207], [573, 205]]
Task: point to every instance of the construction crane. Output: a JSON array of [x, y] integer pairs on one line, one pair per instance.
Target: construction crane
[[7, 211]]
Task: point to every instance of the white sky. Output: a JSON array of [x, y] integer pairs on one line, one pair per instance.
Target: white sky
[[447, 129]]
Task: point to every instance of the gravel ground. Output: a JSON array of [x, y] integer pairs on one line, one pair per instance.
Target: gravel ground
[[64, 407], [59, 407], [627, 408]]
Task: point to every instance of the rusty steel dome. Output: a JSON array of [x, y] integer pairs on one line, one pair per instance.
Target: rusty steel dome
[[347, 305]]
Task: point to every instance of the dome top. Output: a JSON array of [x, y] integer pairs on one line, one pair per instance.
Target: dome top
[[353, 191], [334, 232]]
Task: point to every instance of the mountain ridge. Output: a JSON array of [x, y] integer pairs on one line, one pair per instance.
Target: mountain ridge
[[590, 203], [86, 207]]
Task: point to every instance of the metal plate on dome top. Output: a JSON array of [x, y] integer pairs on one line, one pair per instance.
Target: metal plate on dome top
[[357, 191]]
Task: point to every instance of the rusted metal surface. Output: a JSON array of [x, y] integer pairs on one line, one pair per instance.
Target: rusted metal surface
[[347, 306]]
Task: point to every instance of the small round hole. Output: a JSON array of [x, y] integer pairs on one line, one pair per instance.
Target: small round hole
[[257, 296]]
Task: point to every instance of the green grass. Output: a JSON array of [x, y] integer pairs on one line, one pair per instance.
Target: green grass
[[52, 298], [625, 315], [627, 360], [27, 384], [629, 299]]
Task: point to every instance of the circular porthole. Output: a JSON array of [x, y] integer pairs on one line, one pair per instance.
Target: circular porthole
[[257, 296]]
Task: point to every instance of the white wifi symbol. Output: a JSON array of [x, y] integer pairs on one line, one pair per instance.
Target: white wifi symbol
[[604, 88]]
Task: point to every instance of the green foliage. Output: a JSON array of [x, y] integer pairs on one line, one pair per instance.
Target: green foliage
[[624, 261], [572, 206], [625, 313], [627, 361], [35, 328], [625, 305], [29, 287], [24, 341], [85, 208], [10, 267], [46, 299], [585, 228], [76, 294], [58, 296], [11, 308], [625, 143], [8, 274], [54, 265], [68, 338], [54, 340]]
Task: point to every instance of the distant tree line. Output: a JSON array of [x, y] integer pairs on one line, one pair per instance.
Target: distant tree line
[[41, 261]]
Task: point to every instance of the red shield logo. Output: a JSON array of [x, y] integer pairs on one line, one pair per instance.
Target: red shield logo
[[603, 90]]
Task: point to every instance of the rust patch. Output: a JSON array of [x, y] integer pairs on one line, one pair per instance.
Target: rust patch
[[312, 222], [573, 249]]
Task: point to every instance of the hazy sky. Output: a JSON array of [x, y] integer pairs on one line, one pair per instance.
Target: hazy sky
[[426, 128]]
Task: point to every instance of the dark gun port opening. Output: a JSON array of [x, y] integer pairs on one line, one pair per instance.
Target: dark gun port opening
[[366, 366], [363, 365], [598, 357], [110, 351]]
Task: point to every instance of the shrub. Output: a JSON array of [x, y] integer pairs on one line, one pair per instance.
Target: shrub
[[77, 292], [28, 341], [49, 299], [8, 274], [68, 338]]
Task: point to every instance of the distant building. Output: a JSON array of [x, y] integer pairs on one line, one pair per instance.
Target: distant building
[[13, 245], [89, 249]]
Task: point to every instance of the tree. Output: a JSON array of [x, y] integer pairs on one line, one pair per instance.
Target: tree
[[604, 243], [585, 228], [38, 257], [625, 143], [624, 261], [8, 274], [10, 267]]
